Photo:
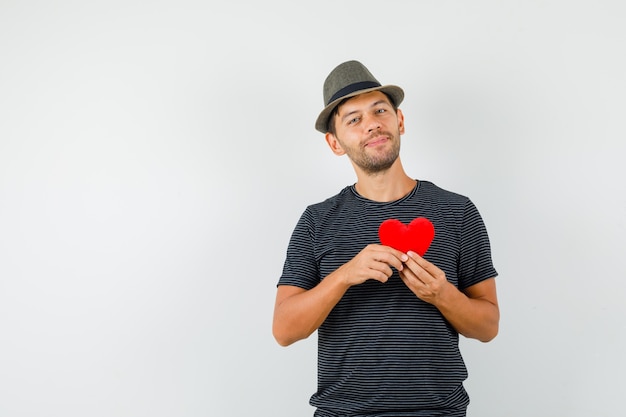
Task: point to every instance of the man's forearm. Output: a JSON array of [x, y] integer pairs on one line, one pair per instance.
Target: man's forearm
[[298, 312], [474, 315]]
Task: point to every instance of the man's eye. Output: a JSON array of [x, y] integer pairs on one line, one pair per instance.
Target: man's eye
[[381, 110], [353, 121]]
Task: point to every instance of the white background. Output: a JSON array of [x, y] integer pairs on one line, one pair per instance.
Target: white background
[[155, 156]]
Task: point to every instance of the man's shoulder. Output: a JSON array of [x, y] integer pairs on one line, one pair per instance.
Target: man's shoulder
[[431, 190], [334, 201]]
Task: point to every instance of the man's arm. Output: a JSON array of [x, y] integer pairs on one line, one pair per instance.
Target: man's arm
[[299, 312], [473, 312]]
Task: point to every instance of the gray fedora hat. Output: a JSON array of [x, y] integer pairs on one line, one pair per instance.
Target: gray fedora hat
[[348, 80]]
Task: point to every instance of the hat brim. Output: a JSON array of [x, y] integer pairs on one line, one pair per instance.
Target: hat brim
[[395, 92]]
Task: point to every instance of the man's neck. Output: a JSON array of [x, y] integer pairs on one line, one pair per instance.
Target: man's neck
[[390, 185]]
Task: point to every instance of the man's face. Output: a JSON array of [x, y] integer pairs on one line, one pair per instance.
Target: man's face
[[368, 130]]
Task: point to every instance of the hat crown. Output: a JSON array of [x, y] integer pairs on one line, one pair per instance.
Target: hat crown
[[347, 77]]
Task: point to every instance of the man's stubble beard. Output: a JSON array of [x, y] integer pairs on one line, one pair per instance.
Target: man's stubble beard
[[374, 164]]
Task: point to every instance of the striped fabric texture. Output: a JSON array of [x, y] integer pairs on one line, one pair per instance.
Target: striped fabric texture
[[382, 351]]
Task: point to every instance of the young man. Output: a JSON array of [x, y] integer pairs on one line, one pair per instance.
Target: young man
[[388, 322]]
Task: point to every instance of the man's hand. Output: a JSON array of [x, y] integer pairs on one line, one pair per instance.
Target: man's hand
[[426, 280], [373, 262], [473, 312]]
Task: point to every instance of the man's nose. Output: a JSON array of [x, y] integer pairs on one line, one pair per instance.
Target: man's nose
[[372, 123]]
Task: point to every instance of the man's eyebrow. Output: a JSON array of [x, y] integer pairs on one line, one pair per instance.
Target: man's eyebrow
[[345, 116], [381, 101]]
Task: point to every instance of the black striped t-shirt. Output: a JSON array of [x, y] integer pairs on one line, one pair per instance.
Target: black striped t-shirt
[[382, 351]]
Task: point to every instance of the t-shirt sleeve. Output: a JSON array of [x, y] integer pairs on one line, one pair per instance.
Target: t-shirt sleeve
[[301, 266], [475, 263]]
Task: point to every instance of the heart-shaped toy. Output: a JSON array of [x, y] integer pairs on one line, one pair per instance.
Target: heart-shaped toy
[[416, 236]]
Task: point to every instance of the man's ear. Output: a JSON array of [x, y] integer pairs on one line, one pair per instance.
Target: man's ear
[[400, 121], [334, 144]]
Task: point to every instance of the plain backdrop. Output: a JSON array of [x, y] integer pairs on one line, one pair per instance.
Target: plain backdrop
[[156, 155]]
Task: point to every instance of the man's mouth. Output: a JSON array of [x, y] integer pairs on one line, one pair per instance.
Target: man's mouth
[[376, 141]]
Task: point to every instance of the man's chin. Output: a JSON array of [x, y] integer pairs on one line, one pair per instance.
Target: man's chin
[[378, 168]]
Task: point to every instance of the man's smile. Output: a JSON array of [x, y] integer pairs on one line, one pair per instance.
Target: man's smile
[[376, 141]]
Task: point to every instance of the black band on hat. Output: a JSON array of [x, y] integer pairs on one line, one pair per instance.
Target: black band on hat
[[352, 88]]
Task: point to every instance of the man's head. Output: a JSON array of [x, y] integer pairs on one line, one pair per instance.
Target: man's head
[[347, 80], [361, 118], [367, 128]]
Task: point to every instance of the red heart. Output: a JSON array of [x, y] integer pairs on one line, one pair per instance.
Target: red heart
[[415, 236]]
